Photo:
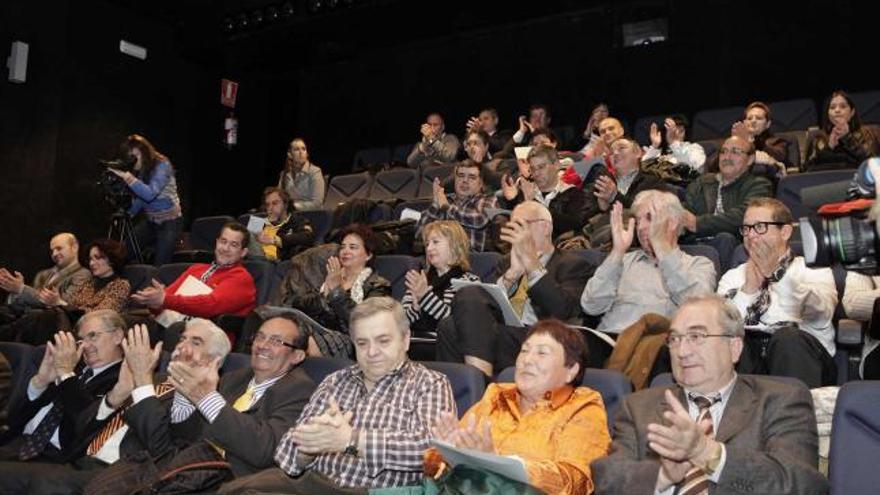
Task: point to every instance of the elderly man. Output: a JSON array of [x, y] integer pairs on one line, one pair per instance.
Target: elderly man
[[467, 205], [654, 278], [232, 287], [301, 179], [66, 274], [75, 372], [787, 307], [627, 182], [368, 425], [716, 431], [716, 201], [540, 282], [565, 201], [435, 146], [284, 234]]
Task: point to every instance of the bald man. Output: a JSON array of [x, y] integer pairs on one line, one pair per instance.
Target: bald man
[[540, 282], [67, 273]]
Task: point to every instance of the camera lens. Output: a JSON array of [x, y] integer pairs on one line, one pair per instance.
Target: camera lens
[[850, 241]]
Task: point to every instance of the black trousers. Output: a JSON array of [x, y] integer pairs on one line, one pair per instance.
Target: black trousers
[[274, 480], [476, 328], [788, 352], [41, 478]]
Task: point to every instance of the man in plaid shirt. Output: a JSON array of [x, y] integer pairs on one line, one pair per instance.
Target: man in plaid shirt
[[467, 205], [366, 426]]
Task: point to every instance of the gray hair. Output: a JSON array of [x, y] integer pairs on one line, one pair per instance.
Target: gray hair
[[110, 320], [375, 305], [728, 316], [218, 343], [669, 204]]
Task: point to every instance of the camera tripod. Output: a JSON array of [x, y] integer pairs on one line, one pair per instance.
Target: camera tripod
[[122, 230]]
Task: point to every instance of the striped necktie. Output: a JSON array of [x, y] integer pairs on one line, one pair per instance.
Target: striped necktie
[[116, 422], [696, 482]]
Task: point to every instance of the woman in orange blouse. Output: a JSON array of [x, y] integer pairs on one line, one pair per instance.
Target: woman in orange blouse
[[554, 426], [106, 289]]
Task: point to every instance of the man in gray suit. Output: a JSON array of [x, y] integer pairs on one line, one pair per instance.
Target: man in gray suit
[[715, 432]]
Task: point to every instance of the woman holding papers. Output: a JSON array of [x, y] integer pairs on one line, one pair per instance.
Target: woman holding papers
[[429, 293], [544, 418], [106, 289]]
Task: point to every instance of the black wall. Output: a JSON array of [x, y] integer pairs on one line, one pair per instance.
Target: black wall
[[342, 92]]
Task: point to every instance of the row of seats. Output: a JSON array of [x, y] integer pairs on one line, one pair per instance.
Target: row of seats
[[706, 126]]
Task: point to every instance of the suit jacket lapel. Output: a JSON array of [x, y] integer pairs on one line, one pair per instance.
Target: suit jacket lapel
[[235, 385], [738, 412]]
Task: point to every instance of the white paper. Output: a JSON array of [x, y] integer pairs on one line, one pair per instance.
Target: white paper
[[410, 214], [522, 152], [498, 293], [256, 224], [512, 467], [191, 286], [583, 167]]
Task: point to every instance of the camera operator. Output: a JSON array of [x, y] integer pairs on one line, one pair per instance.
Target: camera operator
[[154, 188]]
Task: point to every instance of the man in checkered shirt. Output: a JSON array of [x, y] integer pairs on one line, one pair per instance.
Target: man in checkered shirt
[[366, 426]]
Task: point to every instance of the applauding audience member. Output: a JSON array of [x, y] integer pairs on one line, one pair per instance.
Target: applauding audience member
[[487, 121], [843, 142], [627, 182], [787, 307], [301, 179], [436, 146], [668, 144]]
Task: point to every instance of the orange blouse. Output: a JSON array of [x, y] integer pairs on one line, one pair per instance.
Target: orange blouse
[[557, 439]]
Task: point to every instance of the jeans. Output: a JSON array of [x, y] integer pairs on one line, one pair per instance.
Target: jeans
[[162, 237]]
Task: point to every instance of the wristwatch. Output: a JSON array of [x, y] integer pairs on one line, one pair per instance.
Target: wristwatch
[[352, 448]]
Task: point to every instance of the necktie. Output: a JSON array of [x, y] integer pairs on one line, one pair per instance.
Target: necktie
[[35, 443], [519, 298], [762, 303], [696, 482], [241, 404], [116, 422]]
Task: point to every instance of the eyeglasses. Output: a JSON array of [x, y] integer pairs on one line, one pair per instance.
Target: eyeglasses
[[93, 336], [692, 338], [273, 341], [760, 228]]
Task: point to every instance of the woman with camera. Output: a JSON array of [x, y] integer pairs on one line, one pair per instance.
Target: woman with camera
[[154, 188]]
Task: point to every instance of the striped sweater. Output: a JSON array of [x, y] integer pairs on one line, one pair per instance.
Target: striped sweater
[[435, 304]]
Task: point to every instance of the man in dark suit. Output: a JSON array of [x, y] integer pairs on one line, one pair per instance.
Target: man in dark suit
[[540, 282], [714, 432], [43, 422]]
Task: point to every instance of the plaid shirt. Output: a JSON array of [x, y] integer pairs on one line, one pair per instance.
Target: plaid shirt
[[469, 211], [396, 416]]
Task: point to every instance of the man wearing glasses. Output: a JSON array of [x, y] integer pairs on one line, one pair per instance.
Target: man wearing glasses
[[787, 307], [716, 202], [714, 431], [45, 421], [467, 205]]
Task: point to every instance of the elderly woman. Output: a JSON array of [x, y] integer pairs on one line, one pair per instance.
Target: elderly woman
[[105, 290], [843, 141], [429, 295], [555, 426]]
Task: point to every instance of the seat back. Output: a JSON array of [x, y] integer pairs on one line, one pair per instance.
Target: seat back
[[794, 139], [343, 188], [205, 230], [167, 274], [363, 159], [705, 251], [319, 367], [139, 277], [612, 385], [400, 153], [868, 105], [23, 361], [393, 267], [263, 273], [642, 128], [855, 439], [429, 173], [468, 383], [397, 183], [715, 123], [321, 221], [235, 361], [793, 115], [485, 265], [418, 205], [278, 276], [711, 147], [789, 188]]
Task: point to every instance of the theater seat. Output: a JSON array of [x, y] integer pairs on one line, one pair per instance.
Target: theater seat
[[364, 159], [203, 235], [24, 360], [429, 173], [343, 188], [320, 220], [612, 385], [319, 367], [235, 361], [468, 383], [485, 265], [395, 184], [792, 115], [263, 273], [642, 128], [855, 439], [167, 274], [715, 123], [393, 267]]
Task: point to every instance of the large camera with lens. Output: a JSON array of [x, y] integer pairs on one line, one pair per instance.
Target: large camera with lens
[[843, 233], [115, 190]]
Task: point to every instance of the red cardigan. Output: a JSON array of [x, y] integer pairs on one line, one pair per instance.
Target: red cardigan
[[234, 293]]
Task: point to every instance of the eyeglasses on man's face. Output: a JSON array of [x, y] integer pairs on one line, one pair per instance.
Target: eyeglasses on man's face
[[271, 340], [92, 336], [693, 338], [759, 228]]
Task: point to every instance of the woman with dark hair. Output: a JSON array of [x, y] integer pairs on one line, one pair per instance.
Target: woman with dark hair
[[155, 192], [843, 142], [349, 280], [104, 290], [301, 179], [545, 417]]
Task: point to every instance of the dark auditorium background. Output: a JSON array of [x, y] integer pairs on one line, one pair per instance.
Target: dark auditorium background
[[360, 75]]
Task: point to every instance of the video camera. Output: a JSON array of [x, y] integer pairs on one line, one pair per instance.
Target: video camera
[[843, 232], [116, 191]]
